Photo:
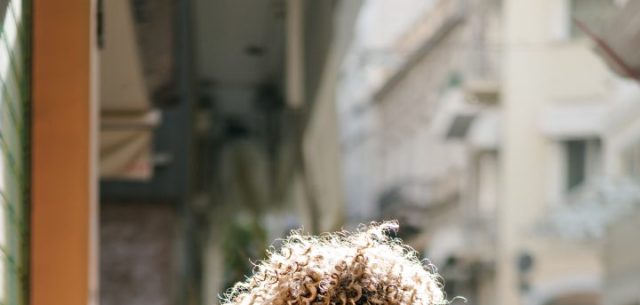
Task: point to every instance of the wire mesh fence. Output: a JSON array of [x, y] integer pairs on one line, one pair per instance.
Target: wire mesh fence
[[14, 119]]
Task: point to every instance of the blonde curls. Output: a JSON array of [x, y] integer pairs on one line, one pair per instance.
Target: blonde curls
[[366, 267]]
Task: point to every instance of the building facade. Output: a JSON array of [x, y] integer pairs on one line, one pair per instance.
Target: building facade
[[422, 145], [505, 144]]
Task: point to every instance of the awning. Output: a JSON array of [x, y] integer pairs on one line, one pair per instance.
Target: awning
[[126, 146], [127, 117], [564, 121]]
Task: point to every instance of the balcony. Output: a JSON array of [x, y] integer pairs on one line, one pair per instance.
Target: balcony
[[590, 208]]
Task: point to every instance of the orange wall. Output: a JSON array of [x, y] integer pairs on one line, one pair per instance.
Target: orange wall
[[62, 182]]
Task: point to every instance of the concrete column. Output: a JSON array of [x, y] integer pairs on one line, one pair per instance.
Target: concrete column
[[524, 148]]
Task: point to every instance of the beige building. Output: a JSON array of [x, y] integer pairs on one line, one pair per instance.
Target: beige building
[[618, 44], [438, 142], [506, 145], [560, 146]]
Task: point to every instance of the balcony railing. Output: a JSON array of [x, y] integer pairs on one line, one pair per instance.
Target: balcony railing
[[589, 209]]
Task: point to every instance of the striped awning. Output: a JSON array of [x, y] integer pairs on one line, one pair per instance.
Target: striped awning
[[127, 117]]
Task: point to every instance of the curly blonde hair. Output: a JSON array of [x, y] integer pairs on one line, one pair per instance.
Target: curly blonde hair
[[366, 267]]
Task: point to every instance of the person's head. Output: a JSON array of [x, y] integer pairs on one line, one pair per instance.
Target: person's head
[[366, 267]]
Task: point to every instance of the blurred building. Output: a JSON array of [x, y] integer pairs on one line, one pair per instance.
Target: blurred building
[[586, 131], [439, 142], [246, 148], [617, 42], [151, 149], [504, 144], [209, 126], [371, 56], [555, 93], [434, 170]]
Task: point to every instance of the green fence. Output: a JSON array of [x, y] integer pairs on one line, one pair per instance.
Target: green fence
[[15, 53]]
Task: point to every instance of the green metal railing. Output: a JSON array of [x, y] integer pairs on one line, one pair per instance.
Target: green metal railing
[[14, 178]]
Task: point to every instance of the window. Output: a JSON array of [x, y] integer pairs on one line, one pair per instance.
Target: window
[[576, 162], [582, 161]]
